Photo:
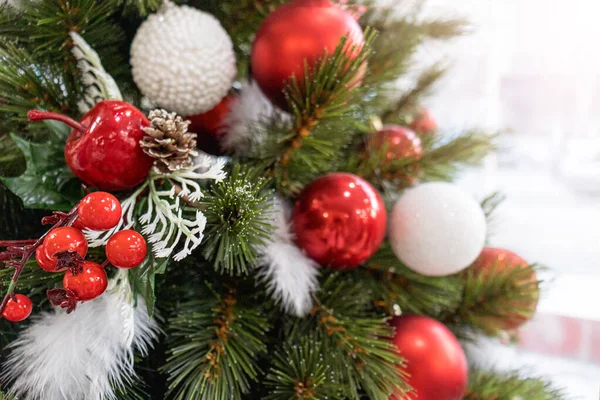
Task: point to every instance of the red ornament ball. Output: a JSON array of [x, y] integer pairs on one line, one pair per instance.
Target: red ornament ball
[[126, 249], [45, 262], [87, 284], [63, 239], [339, 220], [436, 362], [299, 31], [99, 211], [103, 149], [493, 261], [17, 311], [398, 142], [213, 121], [423, 122]]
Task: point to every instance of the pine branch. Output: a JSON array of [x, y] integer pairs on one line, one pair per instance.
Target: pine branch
[[237, 227], [214, 345], [139, 7], [397, 289], [485, 385]]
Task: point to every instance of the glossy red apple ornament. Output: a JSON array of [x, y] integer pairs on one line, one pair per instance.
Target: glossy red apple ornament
[[103, 149]]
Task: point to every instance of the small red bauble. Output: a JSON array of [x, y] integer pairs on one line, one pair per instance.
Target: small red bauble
[[398, 142], [45, 262], [212, 121], [436, 363], [339, 220], [492, 261], [63, 239], [17, 311], [298, 31], [423, 122], [126, 249], [103, 149], [99, 211], [88, 284]]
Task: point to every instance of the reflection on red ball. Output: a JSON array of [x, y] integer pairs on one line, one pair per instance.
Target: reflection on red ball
[[436, 362], [210, 126], [339, 220], [398, 142], [298, 31]]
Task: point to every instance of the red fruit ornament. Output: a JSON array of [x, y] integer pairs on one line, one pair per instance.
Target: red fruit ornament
[[63, 239], [99, 211], [299, 31], [126, 249], [436, 363], [339, 220], [493, 261], [88, 284], [45, 262], [17, 311], [103, 149], [397, 142], [423, 122]]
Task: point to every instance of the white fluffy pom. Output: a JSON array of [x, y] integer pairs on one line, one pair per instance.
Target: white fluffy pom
[[436, 229], [183, 59], [291, 277], [81, 355], [246, 121]]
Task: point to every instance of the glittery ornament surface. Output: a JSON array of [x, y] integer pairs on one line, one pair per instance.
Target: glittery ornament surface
[[183, 59]]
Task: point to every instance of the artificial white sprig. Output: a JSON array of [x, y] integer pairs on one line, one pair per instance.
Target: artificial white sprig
[[99, 84]]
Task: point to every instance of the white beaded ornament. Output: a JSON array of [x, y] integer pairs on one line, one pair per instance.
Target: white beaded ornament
[[183, 60], [437, 229]]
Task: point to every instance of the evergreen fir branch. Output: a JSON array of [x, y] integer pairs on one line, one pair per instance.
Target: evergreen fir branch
[[214, 345], [398, 289], [490, 204], [299, 371], [485, 385], [496, 295], [444, 28], [238, 221], [33, 280], [359, 349], [140, 7]]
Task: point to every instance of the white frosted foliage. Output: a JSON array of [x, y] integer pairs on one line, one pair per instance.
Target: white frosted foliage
[[183, 59], [437, 229]]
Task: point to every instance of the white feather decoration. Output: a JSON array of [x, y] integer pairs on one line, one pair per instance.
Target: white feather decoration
[[246, 123], [82, 355], [290, 276]]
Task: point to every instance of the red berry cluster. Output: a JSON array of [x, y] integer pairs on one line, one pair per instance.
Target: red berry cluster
[[64, 249]]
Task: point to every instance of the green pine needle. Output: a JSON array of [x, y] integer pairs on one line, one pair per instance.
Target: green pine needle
[[485, 385]]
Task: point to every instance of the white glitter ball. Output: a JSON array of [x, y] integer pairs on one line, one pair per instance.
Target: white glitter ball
[[437, 229], [183, 60]]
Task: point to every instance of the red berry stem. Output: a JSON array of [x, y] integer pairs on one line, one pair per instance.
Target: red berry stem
[[37, 115], [105, 264], [28, 250]]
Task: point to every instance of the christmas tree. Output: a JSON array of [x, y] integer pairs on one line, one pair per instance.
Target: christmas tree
[[237, 201]]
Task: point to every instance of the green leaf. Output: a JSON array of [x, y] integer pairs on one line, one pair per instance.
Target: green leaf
[[12, 161], [143, 278], [47, 182]]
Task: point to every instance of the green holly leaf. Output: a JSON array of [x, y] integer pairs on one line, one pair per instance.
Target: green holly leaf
[[47, 182], [143, 277]]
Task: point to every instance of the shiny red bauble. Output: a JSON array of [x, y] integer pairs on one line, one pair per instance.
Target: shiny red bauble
[[126, 249], [63, 239], [423, 122], [436, 362], [99, 211], [16, 311], [339, 220], [45, 262], [210, 126], [397, 142], [494, 261], [88, 284], [299, 31], [103, 149]]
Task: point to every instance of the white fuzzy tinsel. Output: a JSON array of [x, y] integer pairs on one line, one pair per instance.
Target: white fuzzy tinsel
[[183, 59], [82, 355], [291, 276], [246, 123]]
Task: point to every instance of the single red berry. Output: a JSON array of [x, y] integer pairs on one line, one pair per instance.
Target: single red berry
[[17, 311], [87, 284], [99, 211], [126, 249], [63, 239], [45, 262]]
